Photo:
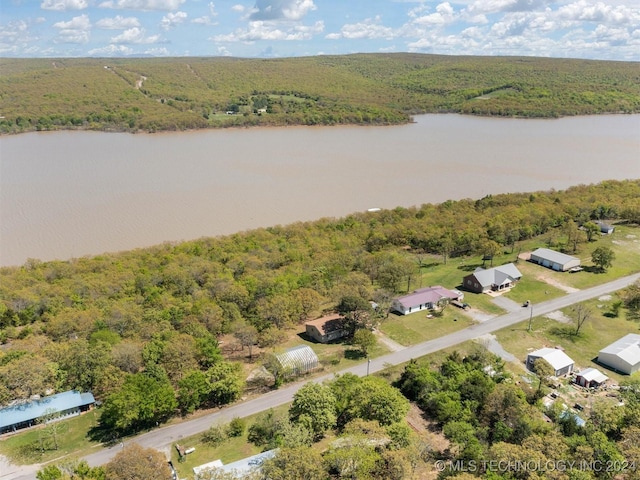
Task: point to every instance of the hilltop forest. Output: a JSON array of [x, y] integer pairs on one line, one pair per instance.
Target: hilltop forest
[[156, 94]]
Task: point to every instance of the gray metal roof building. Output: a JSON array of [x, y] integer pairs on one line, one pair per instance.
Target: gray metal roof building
[[554, 260], [623, 355]]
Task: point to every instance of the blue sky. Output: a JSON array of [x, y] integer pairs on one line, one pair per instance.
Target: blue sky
[[595, 29]]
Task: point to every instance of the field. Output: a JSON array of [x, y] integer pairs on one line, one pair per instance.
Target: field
[[188, 93]]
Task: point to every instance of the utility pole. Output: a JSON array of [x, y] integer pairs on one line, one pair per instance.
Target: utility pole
[[530, 318], [368, 363]]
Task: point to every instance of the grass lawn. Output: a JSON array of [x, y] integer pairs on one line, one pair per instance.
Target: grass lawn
[[24, 448], [416, 327], [229, 451], [598, 332]]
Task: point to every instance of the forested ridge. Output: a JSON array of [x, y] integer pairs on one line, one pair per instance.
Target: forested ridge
[[188, 93]]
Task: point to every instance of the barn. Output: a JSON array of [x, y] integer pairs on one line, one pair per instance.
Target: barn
[[561, 363], [560, 262], [623, 355]]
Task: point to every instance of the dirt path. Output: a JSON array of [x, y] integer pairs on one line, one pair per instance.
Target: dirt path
[[390, 344], [554, 283]]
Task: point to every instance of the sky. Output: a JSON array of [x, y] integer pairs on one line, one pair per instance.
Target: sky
[[595, 29]]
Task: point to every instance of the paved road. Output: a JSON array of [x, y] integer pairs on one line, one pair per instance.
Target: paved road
[[164, 438]]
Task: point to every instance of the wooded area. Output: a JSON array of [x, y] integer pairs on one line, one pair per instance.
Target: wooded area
[[187, 93]]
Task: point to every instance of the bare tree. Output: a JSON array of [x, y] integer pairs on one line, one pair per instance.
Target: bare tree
[[581, 314]]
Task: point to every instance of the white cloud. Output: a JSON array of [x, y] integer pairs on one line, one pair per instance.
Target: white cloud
[[134, 35], [62, 5], [76, 30], [443, 15], [238, 8], [207, 19], [144, 5], [223, 52], [117, 23], [13, 36], [158, 52], [260, 30], [170, 20], [281, 9], [368, 29], [601, 13], [111, 51]]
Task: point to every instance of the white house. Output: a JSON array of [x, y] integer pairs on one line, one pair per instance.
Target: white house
[[561, 363], [623, 355], [426, 298], [554, 260]]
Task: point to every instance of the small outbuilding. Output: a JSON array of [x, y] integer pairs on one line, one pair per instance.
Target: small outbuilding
[[298, 360], [623, 355], [558, 261], [493, 279], [25, 415], [561, 363], [591, 378], [605, 228], [427, 298], [327, 329], [240, 469]]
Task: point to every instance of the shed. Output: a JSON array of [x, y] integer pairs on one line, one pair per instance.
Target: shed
[[327, 328], [423, 299], [558, 261], [25, 415], [605, 228], [591, 378], [492, 279], [623, 355], [561, 363], [298, 360]]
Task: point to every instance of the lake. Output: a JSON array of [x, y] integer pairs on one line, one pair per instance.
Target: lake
[[70, 194]]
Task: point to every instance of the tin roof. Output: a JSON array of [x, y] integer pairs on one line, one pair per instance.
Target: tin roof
[[28, 411]]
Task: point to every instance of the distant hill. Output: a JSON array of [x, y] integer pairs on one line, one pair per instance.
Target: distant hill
[[151, 94]]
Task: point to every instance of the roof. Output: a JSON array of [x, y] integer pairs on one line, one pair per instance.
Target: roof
[[552, 255], [328, 323], [593, 375], [206, 466], [426, 295], [241, 467], [27, 411], [554, 356], [497, 275], [298, 359], [627, 348]]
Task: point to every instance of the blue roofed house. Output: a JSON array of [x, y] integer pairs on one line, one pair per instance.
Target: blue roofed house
[[26, 414], [493, 279]]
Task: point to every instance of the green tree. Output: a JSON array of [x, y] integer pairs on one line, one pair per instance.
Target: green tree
[[137, 463], [226, 382], [295, 464], [591, 229], [314, 406], [544, 371], [603, 258], [365, 339], [193, 390], [356, 310], [142, 401]]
